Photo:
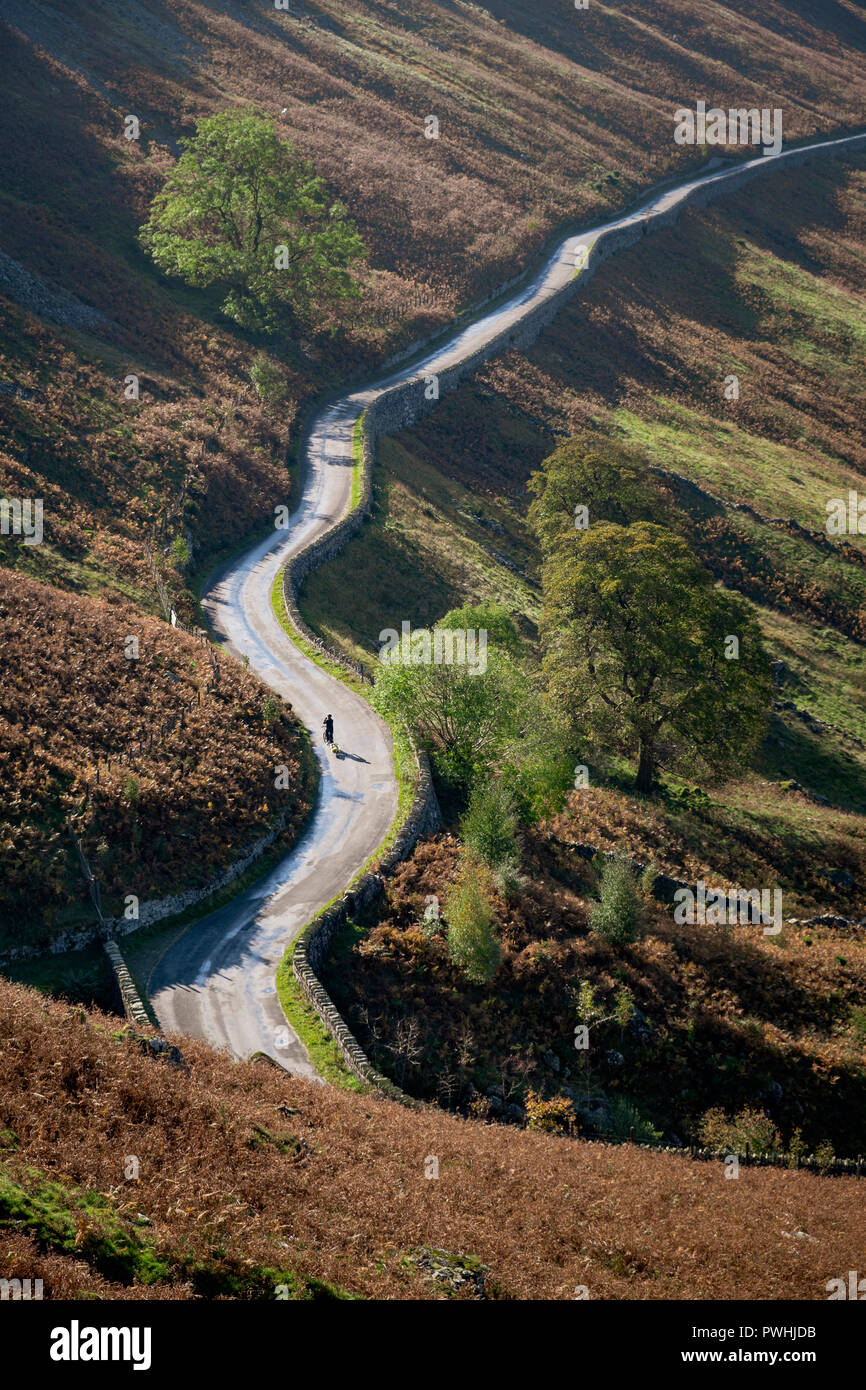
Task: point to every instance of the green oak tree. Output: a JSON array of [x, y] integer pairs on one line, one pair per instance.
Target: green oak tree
[[611, 482], [243, 211], [476, 719], [639, 652]]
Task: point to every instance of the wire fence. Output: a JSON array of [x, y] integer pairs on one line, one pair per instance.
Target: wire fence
[[89, 877]]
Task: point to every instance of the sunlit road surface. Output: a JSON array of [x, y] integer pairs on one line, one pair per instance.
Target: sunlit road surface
[[218, 981]]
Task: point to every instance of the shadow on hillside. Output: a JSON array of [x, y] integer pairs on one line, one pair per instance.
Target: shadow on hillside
[[398, 586], [791, 752], [692, 280], [72, 206], [761, 983], [699, 49], [796, 206], [725, 1046]]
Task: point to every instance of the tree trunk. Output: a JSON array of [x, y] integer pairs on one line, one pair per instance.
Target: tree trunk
[[646, 768]]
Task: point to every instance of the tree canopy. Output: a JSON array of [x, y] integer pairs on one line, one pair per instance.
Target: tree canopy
[[638, 651], [611, 482], [242, 210], [464, 715], [473, 721]]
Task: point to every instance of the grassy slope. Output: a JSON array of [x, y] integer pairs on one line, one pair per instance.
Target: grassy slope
[[758, 288], [331, 1188], [431, 542], [644, 353]]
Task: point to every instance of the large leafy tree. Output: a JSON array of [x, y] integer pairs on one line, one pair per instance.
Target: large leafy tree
[[475, 722], [465, 716], [243, 211], [638, 651], [610, 481]]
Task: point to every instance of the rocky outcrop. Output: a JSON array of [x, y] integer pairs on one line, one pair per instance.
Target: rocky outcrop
[[48, 302]]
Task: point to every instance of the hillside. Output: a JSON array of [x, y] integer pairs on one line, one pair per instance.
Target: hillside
[[166, 764], [326, 1193], [726, 1017], [536, 129], [461, 141], [773, 291]]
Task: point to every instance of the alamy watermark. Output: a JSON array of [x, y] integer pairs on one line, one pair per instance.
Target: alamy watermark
[[738, 126], [22, 517], [442, 647], [406, 309], [730, 907], [21, 1290], [846, 519], [854, 1289], [77, 1343]]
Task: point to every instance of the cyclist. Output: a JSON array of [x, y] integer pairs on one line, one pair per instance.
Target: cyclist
[[328, 726]]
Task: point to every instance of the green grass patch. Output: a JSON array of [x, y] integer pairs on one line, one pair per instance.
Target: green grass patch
[[732, 463], [333, 668], [358, 464], [792, 752], [49, 566], [824, 671], [72, 1221], [808, 308], [260, 1282], [321, 1048]]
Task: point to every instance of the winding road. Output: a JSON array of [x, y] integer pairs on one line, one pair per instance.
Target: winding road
[[217, 982]]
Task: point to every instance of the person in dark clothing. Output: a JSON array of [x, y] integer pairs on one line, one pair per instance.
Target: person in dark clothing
[[328, 723]]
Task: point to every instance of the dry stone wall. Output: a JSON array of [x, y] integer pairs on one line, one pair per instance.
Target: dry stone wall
[[129, 999], [156, 910], [312, 947], [392, 410], [313, 944]]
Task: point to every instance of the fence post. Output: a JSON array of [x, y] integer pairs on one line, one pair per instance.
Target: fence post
[[89, 877]]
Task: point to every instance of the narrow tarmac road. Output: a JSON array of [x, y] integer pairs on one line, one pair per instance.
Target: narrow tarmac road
[[217, 981]]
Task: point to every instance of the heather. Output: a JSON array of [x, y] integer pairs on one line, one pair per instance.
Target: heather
[[165, 763], [247, 1178]]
